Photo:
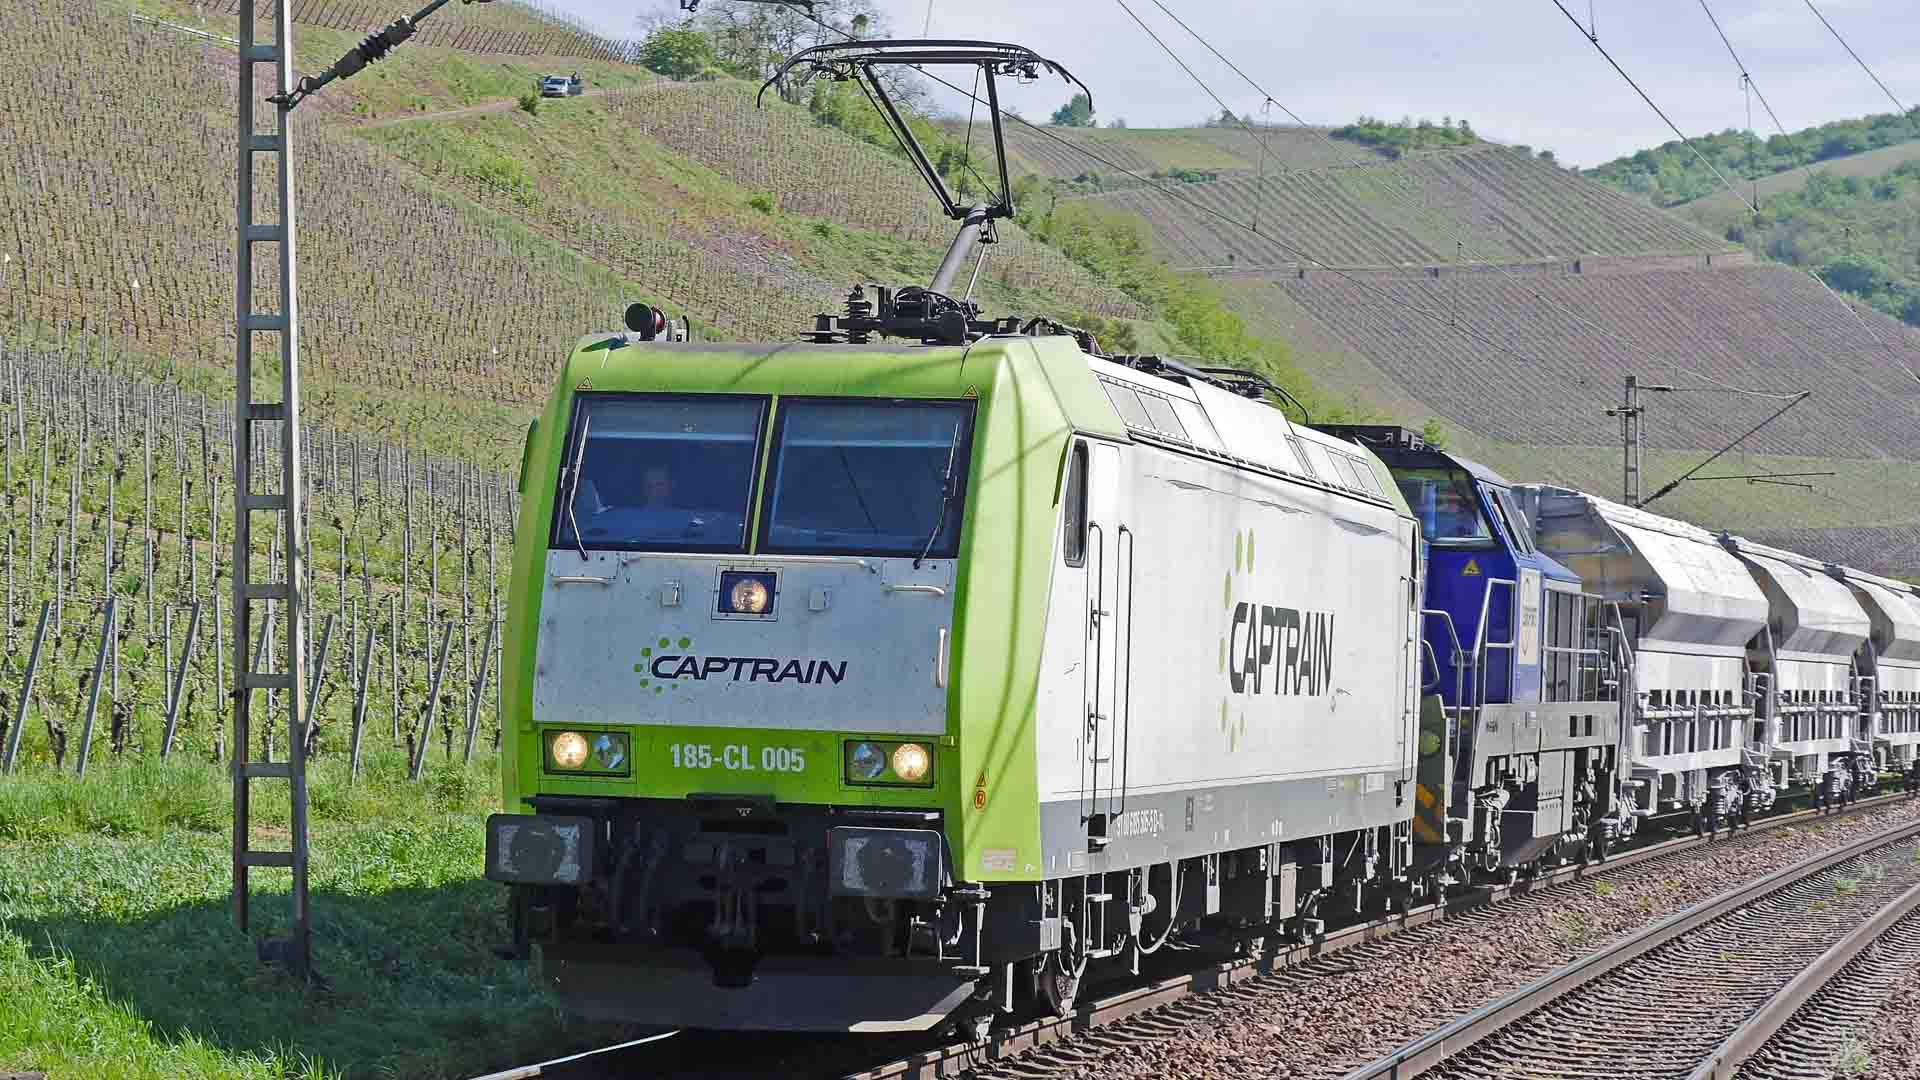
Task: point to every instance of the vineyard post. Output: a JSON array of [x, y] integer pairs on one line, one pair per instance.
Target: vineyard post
[[146, 518], [166, 660], [188, 571], [219, 676], [433, 547], [106, 565], [20, 707], [393, 656], [466, 584], [360, 701], [319, 677], [432, 711], [59, 580], [475, 695], [179, 678], [107, 620], [46, 464], [406, 534]]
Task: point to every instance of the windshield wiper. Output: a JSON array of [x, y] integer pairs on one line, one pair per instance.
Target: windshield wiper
[[573, 480], [946, 497]]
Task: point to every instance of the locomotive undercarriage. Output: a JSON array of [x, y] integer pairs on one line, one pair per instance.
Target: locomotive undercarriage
[[697, 914]]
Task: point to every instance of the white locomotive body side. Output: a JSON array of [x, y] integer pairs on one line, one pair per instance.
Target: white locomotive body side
[[1233, 663]]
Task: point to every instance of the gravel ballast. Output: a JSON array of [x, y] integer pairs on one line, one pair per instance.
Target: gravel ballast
[[1329, 1016]]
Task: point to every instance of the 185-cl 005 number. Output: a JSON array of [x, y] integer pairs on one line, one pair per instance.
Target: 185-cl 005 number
[[737, 758]]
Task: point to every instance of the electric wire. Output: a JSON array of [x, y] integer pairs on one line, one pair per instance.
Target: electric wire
[[1595, 42], [1866, 326], [1741, 64], [1175, 57], [1391, 300], [1791, 399], [1856, 57], [1537, 294], [1166, 189], [1406, 198], [1752, 87]]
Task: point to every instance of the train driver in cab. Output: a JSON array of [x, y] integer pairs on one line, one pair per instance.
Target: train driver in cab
[[1454, 514]]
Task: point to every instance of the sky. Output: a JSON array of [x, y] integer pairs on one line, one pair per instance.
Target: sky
[[1517, 69]]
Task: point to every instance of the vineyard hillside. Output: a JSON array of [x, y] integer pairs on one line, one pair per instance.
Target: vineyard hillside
[[1507, 298], [1480, 202], [1522, 361], [1841, 200], [1064, 153], [446, 260]]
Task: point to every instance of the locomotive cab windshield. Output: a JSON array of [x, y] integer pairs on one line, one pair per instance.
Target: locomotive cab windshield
[[842, 476], [1447, 505]]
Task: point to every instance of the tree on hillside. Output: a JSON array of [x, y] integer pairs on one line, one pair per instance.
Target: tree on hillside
[[750, 40], [677, 52], [1077, 112]]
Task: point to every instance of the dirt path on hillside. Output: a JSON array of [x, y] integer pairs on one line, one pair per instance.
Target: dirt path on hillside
[[503, 105]]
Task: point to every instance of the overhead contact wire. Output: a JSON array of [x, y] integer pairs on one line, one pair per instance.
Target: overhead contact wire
[[1175, 57], [1856, 57], [1165, 189], [1406, 198], [1537, 294], [1595, 42]]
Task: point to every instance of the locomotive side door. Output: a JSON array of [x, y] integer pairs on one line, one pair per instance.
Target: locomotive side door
[[1110, 549]]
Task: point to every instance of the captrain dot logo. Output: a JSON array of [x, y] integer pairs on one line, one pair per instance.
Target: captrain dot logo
[[1233, 724]]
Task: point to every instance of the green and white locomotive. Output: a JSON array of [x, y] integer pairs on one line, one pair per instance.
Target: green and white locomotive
[[850, 682]]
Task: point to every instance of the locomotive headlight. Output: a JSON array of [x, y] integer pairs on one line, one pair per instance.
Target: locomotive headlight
[[748, 596], [911, 761], [866, 762], [568, 750]]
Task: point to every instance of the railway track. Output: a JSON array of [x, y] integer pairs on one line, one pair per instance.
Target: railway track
[[1040, 1047], [1055, 1039], [1709, 993]]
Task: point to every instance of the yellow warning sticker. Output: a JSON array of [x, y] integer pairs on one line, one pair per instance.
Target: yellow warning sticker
[[1472, 569]]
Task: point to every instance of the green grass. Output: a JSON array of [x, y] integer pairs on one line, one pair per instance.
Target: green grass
[[118, 959]]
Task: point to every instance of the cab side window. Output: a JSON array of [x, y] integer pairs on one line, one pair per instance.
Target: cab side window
[[1073, 517]]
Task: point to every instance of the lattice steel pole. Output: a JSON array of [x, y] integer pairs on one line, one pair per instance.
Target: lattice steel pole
[[253, 418]]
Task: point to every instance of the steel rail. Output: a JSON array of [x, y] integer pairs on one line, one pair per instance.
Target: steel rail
[[528, 1072], [957, 1058], [1748, 1039], [1430, 1051]]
